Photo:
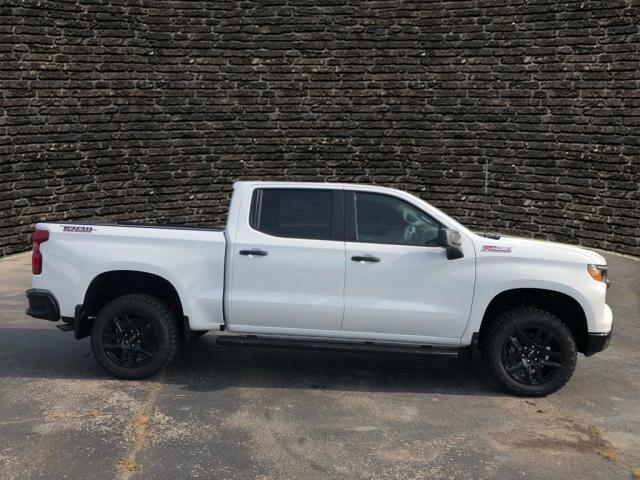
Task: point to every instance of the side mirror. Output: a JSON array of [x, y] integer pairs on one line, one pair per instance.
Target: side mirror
[[452, 241]]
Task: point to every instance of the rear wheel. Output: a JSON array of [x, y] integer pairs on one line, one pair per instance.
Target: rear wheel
[[134, 336], [529, 352]]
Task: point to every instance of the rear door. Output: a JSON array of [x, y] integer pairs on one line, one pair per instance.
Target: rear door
[[288, 262], [398, 281]]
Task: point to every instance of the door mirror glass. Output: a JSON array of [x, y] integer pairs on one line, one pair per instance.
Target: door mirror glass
[[452, 241]]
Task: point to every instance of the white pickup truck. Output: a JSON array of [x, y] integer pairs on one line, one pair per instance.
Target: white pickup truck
[[321, 265]]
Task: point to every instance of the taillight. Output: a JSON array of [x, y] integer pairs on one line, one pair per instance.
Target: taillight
[[39, 236]]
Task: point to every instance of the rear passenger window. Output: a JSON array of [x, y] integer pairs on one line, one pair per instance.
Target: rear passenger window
[[295, 213]]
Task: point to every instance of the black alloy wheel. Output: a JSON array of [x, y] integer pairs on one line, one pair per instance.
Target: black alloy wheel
[[533, 355], [130, 340]]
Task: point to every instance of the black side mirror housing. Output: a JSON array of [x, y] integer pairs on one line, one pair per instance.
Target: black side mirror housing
[[452, 241]]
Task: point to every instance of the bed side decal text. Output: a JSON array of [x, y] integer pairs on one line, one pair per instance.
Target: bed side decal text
[[76, 229]]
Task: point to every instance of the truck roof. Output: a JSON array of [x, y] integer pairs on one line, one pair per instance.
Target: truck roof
[[244, 183]]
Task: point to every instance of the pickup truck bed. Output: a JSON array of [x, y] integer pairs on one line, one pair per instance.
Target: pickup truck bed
[[86, 255]]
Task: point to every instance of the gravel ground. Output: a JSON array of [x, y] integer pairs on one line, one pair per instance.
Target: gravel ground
[[229, 413]]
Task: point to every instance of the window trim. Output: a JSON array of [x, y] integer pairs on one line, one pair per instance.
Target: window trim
[[350, 218], [337, 225]]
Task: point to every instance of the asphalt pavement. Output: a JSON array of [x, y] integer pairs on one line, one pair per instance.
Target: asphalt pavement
[[230, 413]]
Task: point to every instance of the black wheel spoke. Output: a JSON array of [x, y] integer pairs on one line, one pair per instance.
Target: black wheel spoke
[[516, 342], [130, 319], [515, 367], [547, 363], [146, 333], [118, 324], [543, 337], [522, 337], [532, 355], [537, 338], [145, 352], [130, 340], [539, 376], [514, 356], [554, 354]]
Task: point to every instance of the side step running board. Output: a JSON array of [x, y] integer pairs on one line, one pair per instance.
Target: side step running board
[[267, 342]]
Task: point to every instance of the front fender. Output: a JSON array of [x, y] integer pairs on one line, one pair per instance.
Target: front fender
[[489, 292]]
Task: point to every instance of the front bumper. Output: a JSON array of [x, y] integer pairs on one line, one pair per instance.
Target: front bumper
[[42, 304], [597, 342]]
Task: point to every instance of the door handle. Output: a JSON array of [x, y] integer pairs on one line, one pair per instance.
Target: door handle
[[365, 258], [254, 252]]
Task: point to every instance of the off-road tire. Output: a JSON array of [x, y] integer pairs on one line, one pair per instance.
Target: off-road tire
[[503, 327], [164, 326]]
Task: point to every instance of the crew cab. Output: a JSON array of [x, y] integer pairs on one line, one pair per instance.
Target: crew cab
[[323, 265]]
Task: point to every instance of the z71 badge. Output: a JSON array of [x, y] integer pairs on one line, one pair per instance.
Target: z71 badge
[[495, 249], [74, 229]]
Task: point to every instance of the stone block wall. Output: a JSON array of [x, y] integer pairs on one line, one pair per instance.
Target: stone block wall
[[149, 110]]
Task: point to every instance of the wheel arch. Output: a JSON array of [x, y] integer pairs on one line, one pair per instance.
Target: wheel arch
[[564, 306], [109, 285], [114, 283]]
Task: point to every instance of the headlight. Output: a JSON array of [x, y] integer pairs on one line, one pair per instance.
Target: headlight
[[598, 272]]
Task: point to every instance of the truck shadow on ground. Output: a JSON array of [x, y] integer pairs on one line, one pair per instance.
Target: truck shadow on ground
[[257, 367], [203, 366]]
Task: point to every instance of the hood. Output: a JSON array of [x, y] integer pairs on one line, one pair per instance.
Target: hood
[[541, 246]]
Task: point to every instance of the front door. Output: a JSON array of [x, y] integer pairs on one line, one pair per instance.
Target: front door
[[287, 264], [399, 284]]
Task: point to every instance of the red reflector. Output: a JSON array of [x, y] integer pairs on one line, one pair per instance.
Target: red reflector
[[39, 236]]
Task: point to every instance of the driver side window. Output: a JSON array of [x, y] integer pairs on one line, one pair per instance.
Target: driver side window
[[385, 219]]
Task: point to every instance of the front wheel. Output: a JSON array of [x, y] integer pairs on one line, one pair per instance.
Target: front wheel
[[134, 336], [529, 352]]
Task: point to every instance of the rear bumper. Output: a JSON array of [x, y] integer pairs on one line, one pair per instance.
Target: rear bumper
[[597, 342], [42, 304]]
